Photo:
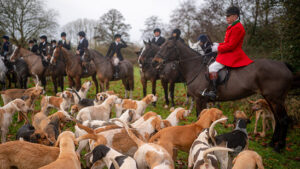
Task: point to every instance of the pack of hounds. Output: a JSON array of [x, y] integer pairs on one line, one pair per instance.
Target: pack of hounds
[[134, 139]]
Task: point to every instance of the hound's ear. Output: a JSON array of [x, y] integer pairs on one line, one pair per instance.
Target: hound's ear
[[57, 142]]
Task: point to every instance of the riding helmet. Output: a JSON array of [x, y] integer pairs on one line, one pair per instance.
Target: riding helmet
[[53, 41], [157, 30], [81, 33], [117, 36], [63, 34], [43, 37], [5, 37], [233, 10], [30, 41], [203, 38]]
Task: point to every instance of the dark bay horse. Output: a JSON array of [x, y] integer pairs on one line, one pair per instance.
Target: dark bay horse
[[168, 74], [73, 67], [271, 79], [56, 71], [104, 70], [33, 61]]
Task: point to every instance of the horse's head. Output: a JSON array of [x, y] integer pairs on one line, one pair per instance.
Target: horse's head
[[56, 54], [16, 53], [147, 54], [49, 52], [196, 47], [168, 52], [86, 55]]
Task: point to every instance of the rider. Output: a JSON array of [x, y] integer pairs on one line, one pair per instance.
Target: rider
[[158, 39], [43, 49], [176, 34], [6, 48], [53, 44], [82, 45], [32, 47], [230, 52], [65, 43], [205, 43], [114, 53]]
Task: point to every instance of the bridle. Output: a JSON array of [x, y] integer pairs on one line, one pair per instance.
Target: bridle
[[179, 60]]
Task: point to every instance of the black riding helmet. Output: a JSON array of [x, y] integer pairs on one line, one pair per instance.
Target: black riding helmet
[[43, 37], [30, 41], [63, 34], [5, 37], [53, 41], [117, 36], [157, 30], [233, 10], [81, 33]]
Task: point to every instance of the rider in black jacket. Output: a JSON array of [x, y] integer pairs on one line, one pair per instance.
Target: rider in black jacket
[[82, 45], [114, 53], [157, 39], [65, 43]]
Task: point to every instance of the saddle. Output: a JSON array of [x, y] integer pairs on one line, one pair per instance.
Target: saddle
[[223, 75]]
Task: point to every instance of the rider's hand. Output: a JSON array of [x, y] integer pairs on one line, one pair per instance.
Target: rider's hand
[[77, 52], [216, 44], [214, 47]]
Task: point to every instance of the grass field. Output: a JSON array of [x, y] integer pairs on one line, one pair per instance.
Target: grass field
[[288, 159]]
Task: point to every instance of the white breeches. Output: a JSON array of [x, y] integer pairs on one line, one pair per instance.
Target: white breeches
[[215, 67], [116, 61]]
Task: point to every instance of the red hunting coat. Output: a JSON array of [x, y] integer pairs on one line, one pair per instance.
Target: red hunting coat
[[230, 52]]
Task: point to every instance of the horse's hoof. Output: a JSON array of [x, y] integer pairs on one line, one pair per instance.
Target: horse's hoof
[[166, 106]]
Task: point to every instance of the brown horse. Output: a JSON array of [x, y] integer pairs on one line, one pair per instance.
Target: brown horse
[[169, 74], [104, 70], [57, 71], [34, 63], [73, 67], [271, 79]]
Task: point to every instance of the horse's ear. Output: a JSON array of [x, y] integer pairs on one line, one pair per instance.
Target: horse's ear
[[145, 42], [149, 41], [60, 46]]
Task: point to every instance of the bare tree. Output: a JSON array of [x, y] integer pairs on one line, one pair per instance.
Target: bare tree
[[110, 24], [184, 18], [23, 19], [150, 24], [86, 25]]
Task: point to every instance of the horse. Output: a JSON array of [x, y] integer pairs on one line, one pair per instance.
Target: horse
[[22, 72], [57, 71], [272, 79], [74, 68], [33, 61], [104, 70], [3, 71], [169, 74]]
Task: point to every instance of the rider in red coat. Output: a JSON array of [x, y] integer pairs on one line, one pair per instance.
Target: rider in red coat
[[230, 52]]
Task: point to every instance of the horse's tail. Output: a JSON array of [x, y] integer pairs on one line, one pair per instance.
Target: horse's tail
[[74, 91]]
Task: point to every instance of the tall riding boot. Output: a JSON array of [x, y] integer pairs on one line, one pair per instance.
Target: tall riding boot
[[117, 70], [212, 95]]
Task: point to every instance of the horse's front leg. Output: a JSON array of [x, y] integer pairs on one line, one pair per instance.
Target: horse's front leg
[[44, 82], [77, 82], [54, 80], [144, 83], [200, 105], [61, 82], [96, 83], [172, 89], [165, 86], [71, 81], [154, 89]]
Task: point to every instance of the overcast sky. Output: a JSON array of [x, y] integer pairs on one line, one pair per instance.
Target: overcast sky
[[134, 11]]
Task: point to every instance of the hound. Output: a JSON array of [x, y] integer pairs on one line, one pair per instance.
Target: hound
[[138, 106], [248, 159], [6, 113], [60, 103]]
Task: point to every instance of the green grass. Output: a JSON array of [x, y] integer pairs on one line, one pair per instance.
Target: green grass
[[290, 158]]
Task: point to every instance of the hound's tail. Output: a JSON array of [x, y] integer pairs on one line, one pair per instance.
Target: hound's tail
[[211, 129], [74, 91], [138, 141], [115, 163], [214, 149]]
